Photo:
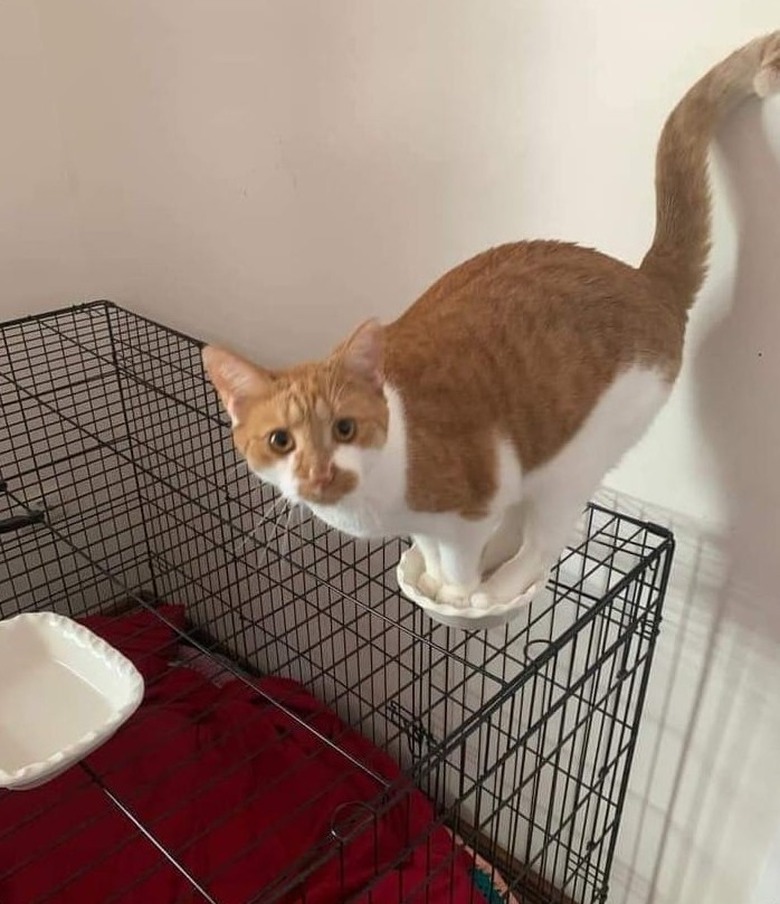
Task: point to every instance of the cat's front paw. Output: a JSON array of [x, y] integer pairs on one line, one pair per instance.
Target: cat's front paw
[[428, 585], [453, 595], [491, 594], [482, 600]]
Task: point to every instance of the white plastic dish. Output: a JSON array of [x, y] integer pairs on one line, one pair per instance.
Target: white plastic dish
[[63, 692], [469, 618]]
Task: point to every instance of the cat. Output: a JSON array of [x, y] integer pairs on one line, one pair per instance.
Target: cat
[[480, 422]]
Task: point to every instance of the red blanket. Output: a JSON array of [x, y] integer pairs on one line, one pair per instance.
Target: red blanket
[[235, 788]]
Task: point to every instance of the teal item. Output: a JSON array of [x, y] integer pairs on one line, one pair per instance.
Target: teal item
[[483, 884]]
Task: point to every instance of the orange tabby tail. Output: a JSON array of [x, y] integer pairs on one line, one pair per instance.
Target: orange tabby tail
[[681, 244]]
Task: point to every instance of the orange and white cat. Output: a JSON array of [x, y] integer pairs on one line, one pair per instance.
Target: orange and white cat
[[480, 422]]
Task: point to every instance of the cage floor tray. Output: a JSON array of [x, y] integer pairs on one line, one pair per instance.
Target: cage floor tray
[[63, 692]]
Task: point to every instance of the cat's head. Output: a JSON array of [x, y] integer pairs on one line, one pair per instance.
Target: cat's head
[[311, 430]]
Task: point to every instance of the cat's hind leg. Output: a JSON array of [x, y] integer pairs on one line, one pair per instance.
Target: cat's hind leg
[[549, 518], [555, 494]]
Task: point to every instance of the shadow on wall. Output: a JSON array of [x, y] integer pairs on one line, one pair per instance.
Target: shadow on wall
[[705, 822], [731, 735], [737, 374]]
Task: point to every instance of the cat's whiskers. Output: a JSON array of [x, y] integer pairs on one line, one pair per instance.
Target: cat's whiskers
[[278, 535], [279, 503], [285, 540]]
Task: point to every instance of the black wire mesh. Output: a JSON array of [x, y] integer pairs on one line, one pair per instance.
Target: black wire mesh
[[119, 473]]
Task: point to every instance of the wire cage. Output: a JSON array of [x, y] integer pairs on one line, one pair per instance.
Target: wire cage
[[336, 744]]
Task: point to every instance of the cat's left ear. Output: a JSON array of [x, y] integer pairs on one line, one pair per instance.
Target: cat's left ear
[[236, 380], [363, 353]]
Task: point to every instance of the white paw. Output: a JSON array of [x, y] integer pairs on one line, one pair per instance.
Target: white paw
[[489, 594], [482, 600], [532, 584], [453, 595], [428, 585]]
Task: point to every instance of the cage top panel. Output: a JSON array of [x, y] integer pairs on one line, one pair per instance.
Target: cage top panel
[[96, 386]]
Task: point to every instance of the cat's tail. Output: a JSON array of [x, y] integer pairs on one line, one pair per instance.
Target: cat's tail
[[678, 255]]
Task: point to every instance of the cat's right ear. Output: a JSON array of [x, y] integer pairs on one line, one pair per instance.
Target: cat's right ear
[[235, 379]]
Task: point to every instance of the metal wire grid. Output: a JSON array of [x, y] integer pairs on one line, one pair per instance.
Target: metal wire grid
[[522, 735]]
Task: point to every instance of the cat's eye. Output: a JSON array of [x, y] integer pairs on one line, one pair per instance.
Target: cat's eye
[[281, 441], [344, 430]]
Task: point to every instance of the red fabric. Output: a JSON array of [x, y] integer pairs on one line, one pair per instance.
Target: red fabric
[[232, 785]]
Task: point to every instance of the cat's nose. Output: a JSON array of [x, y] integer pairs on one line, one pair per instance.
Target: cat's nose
[[321, 475]]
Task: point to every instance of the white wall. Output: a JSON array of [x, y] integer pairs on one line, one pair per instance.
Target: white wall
[[702, 815], [41, 262], [267, 173]]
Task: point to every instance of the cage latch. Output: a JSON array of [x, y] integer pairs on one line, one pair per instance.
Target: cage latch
[[17, 522], [419, 739]]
